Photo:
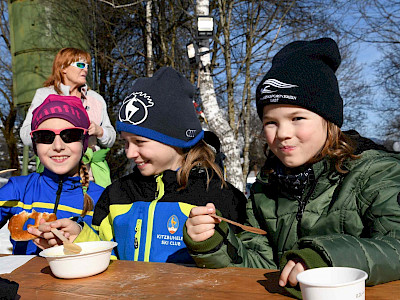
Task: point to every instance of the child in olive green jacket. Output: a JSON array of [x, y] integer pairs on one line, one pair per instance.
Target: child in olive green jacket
[[323, 197]]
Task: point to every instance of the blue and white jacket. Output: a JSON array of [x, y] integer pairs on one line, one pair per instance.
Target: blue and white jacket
[[146, 215], [45, 192]]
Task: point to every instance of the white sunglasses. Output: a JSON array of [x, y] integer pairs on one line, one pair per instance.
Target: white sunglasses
[[80, 65]]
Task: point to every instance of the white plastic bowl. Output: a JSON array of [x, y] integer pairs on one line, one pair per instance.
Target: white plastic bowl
[[94, 259], [332, 283]]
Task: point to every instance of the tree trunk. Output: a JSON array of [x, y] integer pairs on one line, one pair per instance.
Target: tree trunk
[[211, 109], [10, 135], [246, 109], [225, 12], [8, 112], [246, 97], [149, 44]]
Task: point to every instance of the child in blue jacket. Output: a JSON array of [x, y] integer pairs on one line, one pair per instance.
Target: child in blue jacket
[[59, 135]]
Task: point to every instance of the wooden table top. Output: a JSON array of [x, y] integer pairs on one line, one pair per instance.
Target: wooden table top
[[140, 280]]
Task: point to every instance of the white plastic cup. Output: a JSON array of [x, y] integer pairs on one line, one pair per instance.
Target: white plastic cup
[[332, 283]]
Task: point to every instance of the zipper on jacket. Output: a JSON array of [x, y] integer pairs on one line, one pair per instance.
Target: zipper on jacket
[[58, 193], [301, 208], [302, 205], [150, 217], [138, 233]]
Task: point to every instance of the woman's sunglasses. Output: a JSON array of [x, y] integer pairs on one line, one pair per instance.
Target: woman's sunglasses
[[80, 65], [68, 135]]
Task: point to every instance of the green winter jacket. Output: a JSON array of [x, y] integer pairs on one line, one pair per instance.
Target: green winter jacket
[[349, 219]]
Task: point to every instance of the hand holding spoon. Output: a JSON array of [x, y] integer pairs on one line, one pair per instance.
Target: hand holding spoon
[[244, 227]]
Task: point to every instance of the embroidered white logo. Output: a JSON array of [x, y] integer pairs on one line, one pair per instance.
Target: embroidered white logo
[[191, 133], [134, 108], [277, 84]]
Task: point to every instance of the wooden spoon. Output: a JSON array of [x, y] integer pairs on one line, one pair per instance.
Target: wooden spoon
[[244, 227], [69, 247]]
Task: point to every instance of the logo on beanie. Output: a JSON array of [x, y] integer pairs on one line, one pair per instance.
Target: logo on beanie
[[134, 108], [277, 84], [191, 133], [57, 109]]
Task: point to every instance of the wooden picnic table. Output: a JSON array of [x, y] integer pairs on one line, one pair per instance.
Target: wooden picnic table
[[143, 280]]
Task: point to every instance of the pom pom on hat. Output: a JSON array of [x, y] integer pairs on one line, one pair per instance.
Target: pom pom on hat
[[303, 74], [161, 108]]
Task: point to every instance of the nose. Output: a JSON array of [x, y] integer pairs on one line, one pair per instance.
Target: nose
[[131, 151], [58, 144], [284, 131]]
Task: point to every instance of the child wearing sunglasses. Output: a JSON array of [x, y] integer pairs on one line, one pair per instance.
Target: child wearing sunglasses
[[60, 137], [70, 68], [145, 211], [324, 198]]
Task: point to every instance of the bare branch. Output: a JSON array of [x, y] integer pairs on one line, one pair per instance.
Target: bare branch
[[120, 6]]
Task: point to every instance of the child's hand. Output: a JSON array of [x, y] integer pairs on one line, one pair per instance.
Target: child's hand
[[290, 271], [46, 239], [200, 226], [95, 130]]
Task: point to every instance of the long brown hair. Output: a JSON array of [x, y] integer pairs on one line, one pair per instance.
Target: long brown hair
[[337, 146], [63, 59], [202, 156], [87, 200]]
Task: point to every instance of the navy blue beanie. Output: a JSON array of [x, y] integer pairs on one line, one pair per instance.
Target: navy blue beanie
[[303, 74], [161, 108]]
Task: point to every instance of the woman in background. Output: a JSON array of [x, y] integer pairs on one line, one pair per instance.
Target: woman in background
[[68, 77]]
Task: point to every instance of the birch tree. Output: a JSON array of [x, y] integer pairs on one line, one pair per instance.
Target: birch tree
[[149, 43], [213, 114]]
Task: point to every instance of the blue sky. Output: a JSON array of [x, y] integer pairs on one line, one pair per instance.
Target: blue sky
[[367, 55]]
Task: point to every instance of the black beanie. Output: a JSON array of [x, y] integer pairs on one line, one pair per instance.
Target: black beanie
[[161, 108], [303, 74]]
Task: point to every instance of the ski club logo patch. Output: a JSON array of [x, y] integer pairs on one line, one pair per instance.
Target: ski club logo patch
[[275, 84], [173, 224], [134, 109]]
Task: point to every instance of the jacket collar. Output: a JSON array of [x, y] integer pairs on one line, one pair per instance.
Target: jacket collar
[[65, 89], [319, 168], [53, 180], [169, 180]]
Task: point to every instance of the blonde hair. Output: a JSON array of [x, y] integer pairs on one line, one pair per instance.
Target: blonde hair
[[87, 200], [63, 59], [202, 156]]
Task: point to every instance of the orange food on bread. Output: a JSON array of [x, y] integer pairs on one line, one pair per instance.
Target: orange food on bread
[[17, 222]]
